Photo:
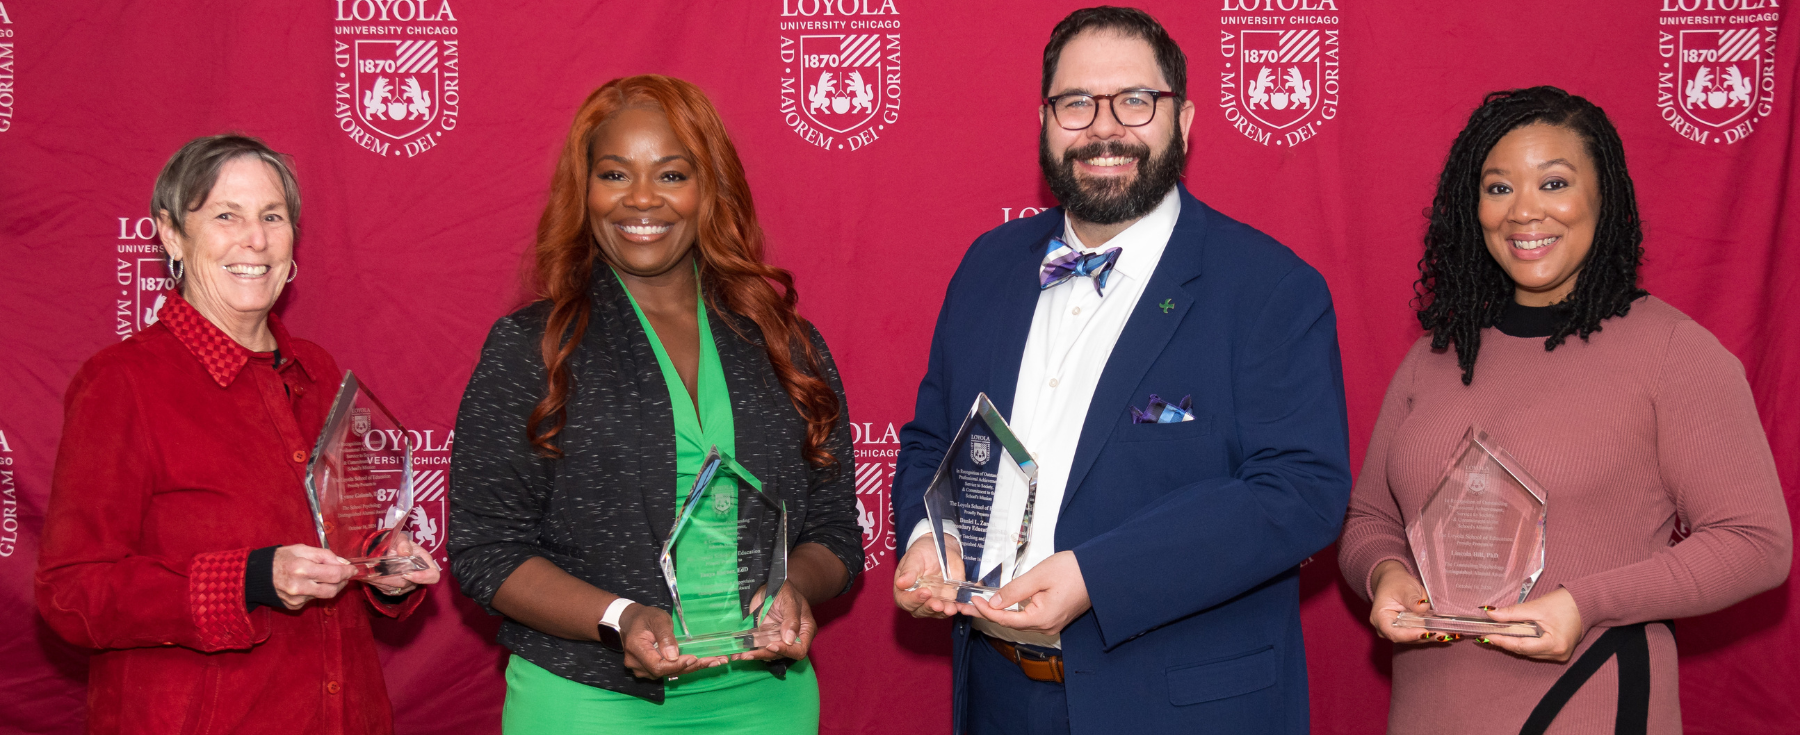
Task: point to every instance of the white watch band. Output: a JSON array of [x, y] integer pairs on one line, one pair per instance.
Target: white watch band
[[610, 618]]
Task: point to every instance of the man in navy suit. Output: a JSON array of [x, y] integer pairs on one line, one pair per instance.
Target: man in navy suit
[[1160, 590]]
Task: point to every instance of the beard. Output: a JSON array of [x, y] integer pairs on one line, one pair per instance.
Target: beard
[[1112, 200]]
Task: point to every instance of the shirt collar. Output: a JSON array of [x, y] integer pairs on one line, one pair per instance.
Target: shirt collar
[[221, 355], [1141, 245]]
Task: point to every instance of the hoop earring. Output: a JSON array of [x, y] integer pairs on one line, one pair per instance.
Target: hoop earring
[[293, 268], [176, 270]]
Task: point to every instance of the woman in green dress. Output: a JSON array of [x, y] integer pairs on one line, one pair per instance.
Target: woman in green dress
[[659, 335]]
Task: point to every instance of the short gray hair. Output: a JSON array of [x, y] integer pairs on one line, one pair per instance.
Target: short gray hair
[[189, 176]]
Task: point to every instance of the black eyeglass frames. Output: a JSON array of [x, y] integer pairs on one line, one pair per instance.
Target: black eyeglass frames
[[1132, 107]]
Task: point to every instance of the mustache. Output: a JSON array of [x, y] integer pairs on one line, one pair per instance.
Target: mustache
[[1111, 200], [1106, 148]]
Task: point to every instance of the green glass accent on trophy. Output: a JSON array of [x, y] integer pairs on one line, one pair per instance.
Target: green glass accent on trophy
[[763, 629]]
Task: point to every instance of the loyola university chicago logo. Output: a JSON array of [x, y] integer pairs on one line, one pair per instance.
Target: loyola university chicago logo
[[1280, 83], [431, 462], [141, 275], [9, 500], [429, 523], [399, 71], [840, 83], [6, 70], [1717, 80], [877, 450]]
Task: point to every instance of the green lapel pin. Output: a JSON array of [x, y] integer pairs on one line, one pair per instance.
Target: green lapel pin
[[1166, 305]]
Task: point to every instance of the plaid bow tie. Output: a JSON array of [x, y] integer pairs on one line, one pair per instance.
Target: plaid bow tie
[[1073, 263]]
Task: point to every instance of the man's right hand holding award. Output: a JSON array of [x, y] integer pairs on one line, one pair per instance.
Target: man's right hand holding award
[[1175, 375]]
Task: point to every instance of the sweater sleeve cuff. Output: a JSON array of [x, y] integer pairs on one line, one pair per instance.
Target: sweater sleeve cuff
[[1625, 595], [395, 606], [848, 556], [1361, 551], [1368, 586], [216, 599], [1598, 600], [259, 580]]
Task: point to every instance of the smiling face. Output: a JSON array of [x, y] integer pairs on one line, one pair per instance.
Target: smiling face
[[238, 248], [1540, 201], [643, 200], [1108, 173]]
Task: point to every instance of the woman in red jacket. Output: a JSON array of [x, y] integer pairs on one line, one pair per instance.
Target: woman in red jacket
[[172, 544]]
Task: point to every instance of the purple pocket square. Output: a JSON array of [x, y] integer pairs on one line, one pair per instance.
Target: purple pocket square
[[1162, 412]]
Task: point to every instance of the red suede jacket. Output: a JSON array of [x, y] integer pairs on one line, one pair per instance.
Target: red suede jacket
[[180, 454]]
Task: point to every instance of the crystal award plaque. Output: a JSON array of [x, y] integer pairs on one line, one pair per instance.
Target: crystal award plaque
[[359, 483], [1478, 541], [765, 628], [980, 531]]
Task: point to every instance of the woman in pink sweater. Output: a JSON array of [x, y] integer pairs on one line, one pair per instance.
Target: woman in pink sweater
[[1642, 424]]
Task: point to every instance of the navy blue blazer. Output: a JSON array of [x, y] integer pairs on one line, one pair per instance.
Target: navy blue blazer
[[1189, 535]]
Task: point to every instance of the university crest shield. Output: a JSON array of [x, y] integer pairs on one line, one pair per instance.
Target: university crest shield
[[397, 87], [430, 508], [1278, 75], [1718, 73], [872, 511], [838, 76]]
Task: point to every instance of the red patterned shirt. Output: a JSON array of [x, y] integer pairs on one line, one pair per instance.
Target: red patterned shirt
[[180, 455]]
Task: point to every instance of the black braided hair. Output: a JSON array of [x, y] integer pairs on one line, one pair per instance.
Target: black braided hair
[[1462, 290]]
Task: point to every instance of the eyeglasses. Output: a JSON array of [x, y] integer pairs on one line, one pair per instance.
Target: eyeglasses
[[1132, 107]]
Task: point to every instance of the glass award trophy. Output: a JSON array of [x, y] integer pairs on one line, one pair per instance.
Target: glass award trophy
[[980, 531], [359, 483], [765, 628], [1478, 541]]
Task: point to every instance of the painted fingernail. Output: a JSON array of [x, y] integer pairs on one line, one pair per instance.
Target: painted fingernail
[[1485, 640], [1423, 600], [1423, 636], [1458, 637], [1486, 607]]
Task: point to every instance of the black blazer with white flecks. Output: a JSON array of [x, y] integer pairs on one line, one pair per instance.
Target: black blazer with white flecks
[[602, 510]]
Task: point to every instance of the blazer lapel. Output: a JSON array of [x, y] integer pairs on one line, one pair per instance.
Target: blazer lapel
[[1153, 322], [1012, 322], [757, 398], [746, 365], [629, 350]]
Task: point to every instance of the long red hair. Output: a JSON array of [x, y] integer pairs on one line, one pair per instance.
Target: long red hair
[[730, 245]]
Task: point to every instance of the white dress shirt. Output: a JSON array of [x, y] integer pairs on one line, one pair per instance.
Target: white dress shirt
[[1072, 336]]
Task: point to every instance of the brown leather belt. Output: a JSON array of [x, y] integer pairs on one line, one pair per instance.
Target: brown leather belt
[[1037, 666]]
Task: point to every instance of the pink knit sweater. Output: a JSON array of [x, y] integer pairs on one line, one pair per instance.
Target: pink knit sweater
[[1648, 421]]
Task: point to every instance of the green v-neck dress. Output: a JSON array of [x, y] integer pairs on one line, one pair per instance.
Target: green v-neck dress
[[738, 697]]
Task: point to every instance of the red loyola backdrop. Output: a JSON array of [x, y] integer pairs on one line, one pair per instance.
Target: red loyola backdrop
[[881, 137]]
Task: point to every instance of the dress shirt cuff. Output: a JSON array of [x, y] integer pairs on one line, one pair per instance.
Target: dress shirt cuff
[[259, 580], [919, 530], [216, 598]]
